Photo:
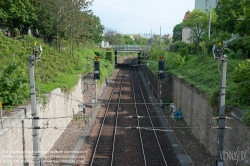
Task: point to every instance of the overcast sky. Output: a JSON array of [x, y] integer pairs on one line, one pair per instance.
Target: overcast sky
[[140, 16]]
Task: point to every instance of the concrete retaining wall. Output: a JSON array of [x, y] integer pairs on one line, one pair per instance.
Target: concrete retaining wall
[[197, 113], [16, 145]]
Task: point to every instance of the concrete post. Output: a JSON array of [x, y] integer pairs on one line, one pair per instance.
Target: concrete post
[[222, 112], [35, 133]]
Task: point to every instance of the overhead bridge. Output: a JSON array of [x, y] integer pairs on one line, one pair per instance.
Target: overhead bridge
[[140, 49], [130, 48]]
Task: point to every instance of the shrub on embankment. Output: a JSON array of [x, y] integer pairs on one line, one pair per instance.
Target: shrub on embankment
[[53, 71], [203, 72]]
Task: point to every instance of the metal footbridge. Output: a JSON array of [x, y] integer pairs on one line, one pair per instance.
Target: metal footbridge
[[130, 48]]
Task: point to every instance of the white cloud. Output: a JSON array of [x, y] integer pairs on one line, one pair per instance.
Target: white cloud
[[140, 16]]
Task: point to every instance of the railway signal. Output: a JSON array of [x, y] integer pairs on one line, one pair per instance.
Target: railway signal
[[139, 58], [160, 75], [161, 67], [97, 68]]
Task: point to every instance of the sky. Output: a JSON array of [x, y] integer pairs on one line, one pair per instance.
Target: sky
[[141, 16]]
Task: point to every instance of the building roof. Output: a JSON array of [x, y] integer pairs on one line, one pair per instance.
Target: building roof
[[186, 15], [166, 36]]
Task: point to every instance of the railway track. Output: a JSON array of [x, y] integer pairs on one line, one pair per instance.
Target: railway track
[[150, 145], [116, 142]]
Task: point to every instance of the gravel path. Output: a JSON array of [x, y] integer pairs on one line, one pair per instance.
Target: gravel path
[[192, 146]]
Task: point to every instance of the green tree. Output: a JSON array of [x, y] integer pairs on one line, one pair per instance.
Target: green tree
[[97, 29], [18, 15], [13, 87], [113, 37], [128, 40], [118, 39], [140, 40], [241, 77], [243, 19], [228, 12], [177, 32], [198, 23], [65, 19], [166, 41]]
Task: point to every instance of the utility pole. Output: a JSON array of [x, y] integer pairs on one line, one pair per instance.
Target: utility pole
[[96, 92], [222, 110], [160, 35], [209, 23], [151, 39], [160, 75], [32, 59], [222, 118]]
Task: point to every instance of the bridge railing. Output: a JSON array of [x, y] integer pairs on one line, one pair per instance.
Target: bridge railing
[[130, 47]]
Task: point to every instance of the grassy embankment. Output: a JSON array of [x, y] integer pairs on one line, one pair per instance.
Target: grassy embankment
[[204, 73], [53, 71]]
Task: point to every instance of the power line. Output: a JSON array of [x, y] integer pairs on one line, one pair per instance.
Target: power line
[[134, 127], [122, 116]]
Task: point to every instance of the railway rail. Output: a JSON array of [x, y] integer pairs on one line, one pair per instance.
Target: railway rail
[[103, 153], [116, 142]]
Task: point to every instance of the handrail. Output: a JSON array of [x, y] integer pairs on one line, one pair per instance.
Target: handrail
[[128, 47]]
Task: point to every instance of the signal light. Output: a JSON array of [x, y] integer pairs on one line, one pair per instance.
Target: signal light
[[160, 75], [161, 65], [139, 60], [97, 70]]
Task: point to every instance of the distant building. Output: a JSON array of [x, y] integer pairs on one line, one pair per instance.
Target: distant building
[[205, 4], [168, 36], [186, 32], [105, 44]]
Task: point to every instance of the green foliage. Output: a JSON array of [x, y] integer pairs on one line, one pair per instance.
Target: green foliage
[[53, 71], [128, 40], [54, 21], [106, 69], [183, 52], [141, 40], [109, 56], [230, 53], [242, 47], [13, 85], [197, 22], [241, 77], [174, 61], [228, 11], [18, 15], [239, 53], [113, 37], [155, 52], [177, 32], [179, 45], [204, 73], [99, 53]]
